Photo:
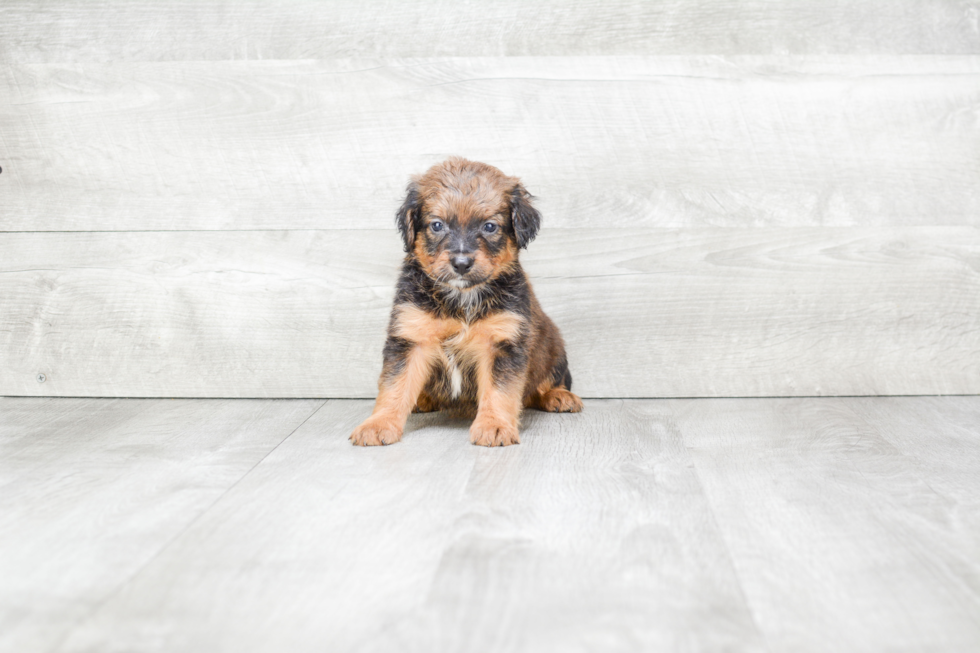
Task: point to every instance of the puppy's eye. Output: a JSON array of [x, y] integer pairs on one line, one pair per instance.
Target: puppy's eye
[[436, 226], [490, 227]]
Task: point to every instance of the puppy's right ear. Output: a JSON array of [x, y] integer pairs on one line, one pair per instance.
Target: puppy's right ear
[[407, 217]]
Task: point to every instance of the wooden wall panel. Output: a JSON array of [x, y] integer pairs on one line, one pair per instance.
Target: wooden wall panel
[[618, 141], [748, 198], [646, 312], [40, 31]]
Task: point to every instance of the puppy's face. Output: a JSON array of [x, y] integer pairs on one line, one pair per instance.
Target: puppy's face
[[465, 222]]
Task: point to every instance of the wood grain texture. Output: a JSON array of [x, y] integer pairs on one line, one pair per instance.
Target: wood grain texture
[[940, 438], [831, 524], [655, 312], [92, 490], [810, 494], [319, 548], [592, 534], [76, 31], [612, 141]]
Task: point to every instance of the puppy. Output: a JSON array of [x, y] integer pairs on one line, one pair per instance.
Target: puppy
[[466, 333]]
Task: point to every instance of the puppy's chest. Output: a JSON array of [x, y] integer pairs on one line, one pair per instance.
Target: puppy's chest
[[457, 356], [461, 353], [464, 347], [461, 341], [459, 337]]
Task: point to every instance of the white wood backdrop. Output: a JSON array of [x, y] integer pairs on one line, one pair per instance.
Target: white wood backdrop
[[40, 31], [740, 198], [619, 141]]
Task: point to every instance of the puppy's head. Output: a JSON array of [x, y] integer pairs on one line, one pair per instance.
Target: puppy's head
[[465, 222]]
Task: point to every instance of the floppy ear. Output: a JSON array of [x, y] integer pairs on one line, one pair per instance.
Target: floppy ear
[[525, 217], [407, 216]]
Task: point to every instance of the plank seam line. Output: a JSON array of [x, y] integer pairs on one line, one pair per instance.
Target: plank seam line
[[882, 434], [722, 535], [95, 609]]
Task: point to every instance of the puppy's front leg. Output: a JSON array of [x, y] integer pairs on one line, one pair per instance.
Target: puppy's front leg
[[500, 374], [406, 368]]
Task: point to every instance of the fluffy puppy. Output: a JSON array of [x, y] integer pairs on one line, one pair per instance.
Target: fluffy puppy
[[466, 332]]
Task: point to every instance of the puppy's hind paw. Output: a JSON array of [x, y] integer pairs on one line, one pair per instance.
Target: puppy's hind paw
[[374, 432], [560, 400]]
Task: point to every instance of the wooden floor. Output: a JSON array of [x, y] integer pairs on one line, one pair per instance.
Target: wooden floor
[[640, 525]]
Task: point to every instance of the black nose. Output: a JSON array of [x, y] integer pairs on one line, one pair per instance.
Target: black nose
[[462, 263]]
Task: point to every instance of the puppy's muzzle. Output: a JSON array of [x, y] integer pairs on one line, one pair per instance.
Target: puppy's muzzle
[[462, 263]]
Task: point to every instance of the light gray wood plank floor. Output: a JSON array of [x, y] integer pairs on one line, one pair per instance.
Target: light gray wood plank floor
[[92, 490], [704, 524]]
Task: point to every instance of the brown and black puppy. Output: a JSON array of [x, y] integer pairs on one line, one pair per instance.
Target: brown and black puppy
[[466, 331]]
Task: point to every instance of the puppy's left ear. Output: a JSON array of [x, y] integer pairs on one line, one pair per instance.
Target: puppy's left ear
[[525, 217], [407, 216]]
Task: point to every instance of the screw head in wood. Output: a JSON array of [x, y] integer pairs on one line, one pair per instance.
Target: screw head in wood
[[41, 378]]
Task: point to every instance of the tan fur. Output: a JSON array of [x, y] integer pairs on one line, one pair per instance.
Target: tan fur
[[502, 261], [425, 404], [471, 192], [396, 401], [491, 330], [464, 344], [497, 418], [545, 343], [467, 189], [415, 325], [500, 408], [555, 400]]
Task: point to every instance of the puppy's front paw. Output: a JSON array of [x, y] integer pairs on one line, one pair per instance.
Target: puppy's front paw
[[375, 431], [493, 433], [560, 400]]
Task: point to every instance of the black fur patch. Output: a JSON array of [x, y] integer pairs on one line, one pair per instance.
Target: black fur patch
[[508, 363], [507, 292], [526, 219], [560, 376], [407, 217], [415, 287], [394, 354]]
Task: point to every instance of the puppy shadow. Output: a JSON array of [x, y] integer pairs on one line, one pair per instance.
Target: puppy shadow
[[443, 423], [438, 421]]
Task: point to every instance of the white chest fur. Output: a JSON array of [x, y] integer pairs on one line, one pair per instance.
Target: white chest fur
[[453, 357]]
